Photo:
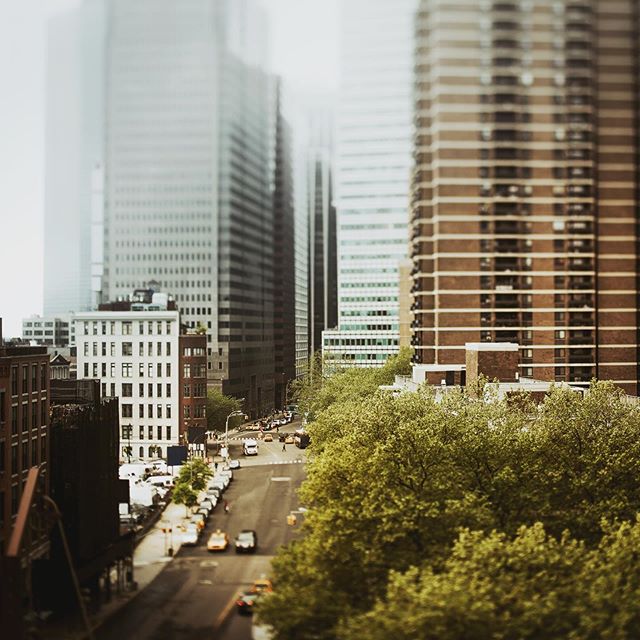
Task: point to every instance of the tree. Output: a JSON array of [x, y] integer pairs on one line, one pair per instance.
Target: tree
[[219, 406], [195, 474], [394, 479], [184, 494]]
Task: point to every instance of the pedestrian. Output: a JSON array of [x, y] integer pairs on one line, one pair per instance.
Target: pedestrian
[[226, 507], [215, 466], [284, 446]]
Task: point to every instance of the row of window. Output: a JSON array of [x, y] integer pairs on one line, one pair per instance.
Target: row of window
[[127, 410], [38, 383], [127, 432], [29, 457], [33, 416], [126, 349], [125, 327], [101, 370]]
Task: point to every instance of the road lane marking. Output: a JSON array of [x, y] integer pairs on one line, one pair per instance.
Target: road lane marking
[[280, 479], [224, 614]]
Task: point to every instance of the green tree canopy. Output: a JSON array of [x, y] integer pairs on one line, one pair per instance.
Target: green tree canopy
[[394, 480], [184, 494], [219, 407]]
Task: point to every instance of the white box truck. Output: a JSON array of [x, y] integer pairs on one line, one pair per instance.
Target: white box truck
[[250, 447]]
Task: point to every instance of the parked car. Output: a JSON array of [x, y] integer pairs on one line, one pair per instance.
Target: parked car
[[190, 536], [219, 478], [246, 601], [288, 439], [246, 541], [268, 438], [207, 504], [226, 472], [204, 511], [199, 520], [234, 464], [218, 541]]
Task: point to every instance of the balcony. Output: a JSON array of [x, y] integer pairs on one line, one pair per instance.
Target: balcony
[[582, 336], [580, 319]]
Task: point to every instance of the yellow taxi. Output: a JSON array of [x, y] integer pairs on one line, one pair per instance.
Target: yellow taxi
[[218, 541]]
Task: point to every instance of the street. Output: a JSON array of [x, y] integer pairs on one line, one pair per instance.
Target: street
[[193, 596]]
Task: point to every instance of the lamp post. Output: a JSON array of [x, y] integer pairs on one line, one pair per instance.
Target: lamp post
[[226, 427]]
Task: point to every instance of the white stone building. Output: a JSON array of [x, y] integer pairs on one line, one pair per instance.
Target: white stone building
[[135, 355]]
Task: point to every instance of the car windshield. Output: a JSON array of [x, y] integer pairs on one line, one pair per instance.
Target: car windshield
[[245, 536]]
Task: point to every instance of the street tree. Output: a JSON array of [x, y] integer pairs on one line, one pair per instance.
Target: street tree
[[394, 480], [184, 494], [195, 473], [219, 406]]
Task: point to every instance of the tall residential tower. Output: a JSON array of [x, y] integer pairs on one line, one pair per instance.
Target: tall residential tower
[[525, 199]]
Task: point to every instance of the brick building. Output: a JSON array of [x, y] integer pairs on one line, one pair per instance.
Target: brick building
[[525, 189], [193, 382]]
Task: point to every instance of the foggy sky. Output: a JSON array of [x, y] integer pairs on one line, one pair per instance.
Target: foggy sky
[[304, 37]]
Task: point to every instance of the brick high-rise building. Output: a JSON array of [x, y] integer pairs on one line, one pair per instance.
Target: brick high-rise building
[[525, 198]]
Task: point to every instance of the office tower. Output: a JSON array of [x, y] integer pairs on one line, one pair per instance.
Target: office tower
[[323, 276], [74, 145], [187, 183], [525, 197], [284, 258], [374, 144], [52, 332]]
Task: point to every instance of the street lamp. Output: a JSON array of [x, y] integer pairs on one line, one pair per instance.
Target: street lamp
[[226, 426]]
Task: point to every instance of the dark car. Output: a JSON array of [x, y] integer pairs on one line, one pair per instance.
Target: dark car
[[283, 437], [246, 541], [246, 602]]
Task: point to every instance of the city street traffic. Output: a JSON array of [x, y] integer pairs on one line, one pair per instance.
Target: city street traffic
[[194, 596]]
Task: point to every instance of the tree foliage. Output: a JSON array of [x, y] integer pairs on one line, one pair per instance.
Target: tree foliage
[[393, 482], [219, 406], [184, 494]]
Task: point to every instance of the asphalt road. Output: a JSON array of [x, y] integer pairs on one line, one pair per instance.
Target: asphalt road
[[191, 597]]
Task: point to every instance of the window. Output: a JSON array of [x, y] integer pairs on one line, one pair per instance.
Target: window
[[94, 328], [159, 432], [150, 328], [14, 420], [86, 348], [141, 452], [126, 369], [127, 390], [113, 389], [127, 410], [2, 448], [159, 370], [168, 413], [95, 369], [168, 394], [112, 348], [141, 369], [141, 328], [150, 390], [34, 452], [14, 458], [14, 381], [168, 348], [159, 328], [112, 370], [150, 348], [104, 348], [43, 448], [187, 411], [158, 411], [25, 379], [126, 328], [25, 417], [186, 371], [150, 412], [150, 432], [159, 349], [43, 413], [95, 348], [141, 389], [168, 433], [150, 368], [127, 349], [140, 411], [141, 349], [141, 432], [186, 390], [159, 390], [103, 366]]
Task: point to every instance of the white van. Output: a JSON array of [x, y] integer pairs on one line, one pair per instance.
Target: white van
[[250, 447]]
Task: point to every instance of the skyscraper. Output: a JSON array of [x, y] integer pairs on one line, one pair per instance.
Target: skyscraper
[[74, 144], [374, 144], [323, 276], [188, 183], [525, 197]]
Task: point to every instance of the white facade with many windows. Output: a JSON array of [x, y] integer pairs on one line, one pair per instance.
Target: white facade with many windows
[[135, 355]]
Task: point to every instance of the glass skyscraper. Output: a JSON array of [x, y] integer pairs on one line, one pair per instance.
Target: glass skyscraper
[[373, 165]]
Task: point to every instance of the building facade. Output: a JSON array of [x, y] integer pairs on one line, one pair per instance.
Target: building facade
[[188, 176], [135, 355], [192, 367], [373, 164], [525, 193], [323, 276], [49, 331], [24, 432]]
